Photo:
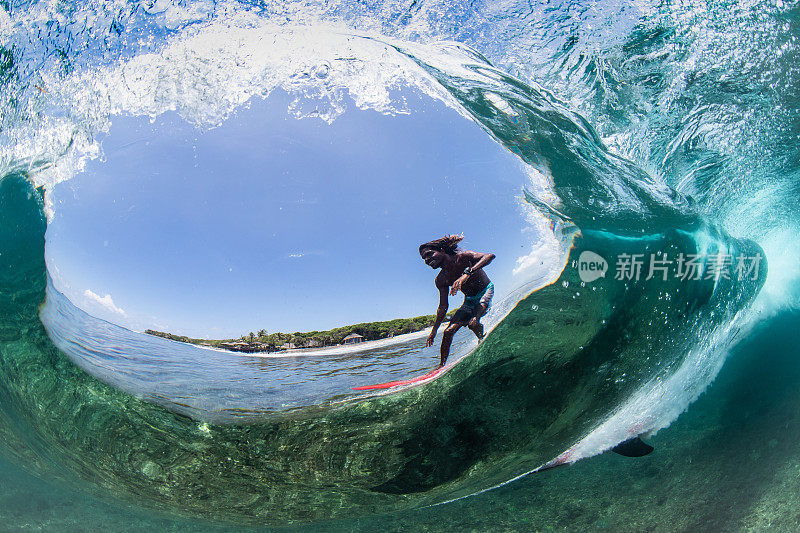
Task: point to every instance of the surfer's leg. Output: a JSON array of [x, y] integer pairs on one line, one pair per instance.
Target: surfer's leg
[[481, 309], [476, 327], [447, 340], [475, 324]]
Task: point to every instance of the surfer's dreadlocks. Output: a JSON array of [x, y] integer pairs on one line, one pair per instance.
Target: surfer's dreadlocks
[[447, 244]]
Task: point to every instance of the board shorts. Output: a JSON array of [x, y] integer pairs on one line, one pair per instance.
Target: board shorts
[[470, 307]]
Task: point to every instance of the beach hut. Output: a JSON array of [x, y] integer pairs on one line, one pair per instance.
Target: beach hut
[[353, 338]]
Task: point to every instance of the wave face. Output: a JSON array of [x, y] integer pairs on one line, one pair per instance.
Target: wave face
[[655, 150]]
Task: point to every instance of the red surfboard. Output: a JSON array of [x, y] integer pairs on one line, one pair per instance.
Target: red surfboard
[[390, 384]]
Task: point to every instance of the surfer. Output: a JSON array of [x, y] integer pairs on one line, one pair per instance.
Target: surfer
[[461, 270]]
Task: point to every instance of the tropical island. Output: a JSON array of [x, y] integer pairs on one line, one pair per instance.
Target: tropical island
[[276, 342]]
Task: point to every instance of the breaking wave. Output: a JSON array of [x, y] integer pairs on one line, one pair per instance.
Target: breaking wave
[[652, 149]]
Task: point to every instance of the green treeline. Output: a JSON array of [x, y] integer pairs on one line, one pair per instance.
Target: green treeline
[[270, 342]]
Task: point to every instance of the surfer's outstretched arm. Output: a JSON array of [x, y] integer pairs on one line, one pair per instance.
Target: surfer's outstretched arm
[[478, 261], [441, 311], [483, 260]]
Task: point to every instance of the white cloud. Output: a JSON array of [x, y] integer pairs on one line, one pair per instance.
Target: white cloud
[[104, 301], [302, 253]]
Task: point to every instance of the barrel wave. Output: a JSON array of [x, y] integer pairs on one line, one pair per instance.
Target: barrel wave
[[643, 290]]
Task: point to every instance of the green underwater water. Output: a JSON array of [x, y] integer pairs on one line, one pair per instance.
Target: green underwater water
[[730, 463]]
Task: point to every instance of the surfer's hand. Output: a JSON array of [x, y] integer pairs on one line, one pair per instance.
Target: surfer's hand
[[457, 285], [429, 342]]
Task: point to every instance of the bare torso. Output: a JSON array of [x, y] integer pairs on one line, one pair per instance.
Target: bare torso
[[455, 269]]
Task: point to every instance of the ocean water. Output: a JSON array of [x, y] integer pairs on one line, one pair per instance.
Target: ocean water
[[665, 132], [728, 464]]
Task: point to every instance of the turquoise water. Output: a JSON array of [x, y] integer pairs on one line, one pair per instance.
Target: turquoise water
[[730, 463], [659, 130]]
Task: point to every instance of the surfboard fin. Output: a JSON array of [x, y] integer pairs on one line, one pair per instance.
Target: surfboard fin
[[634, 447]]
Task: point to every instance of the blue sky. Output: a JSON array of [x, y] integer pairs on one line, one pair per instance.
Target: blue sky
[[285, 224]]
